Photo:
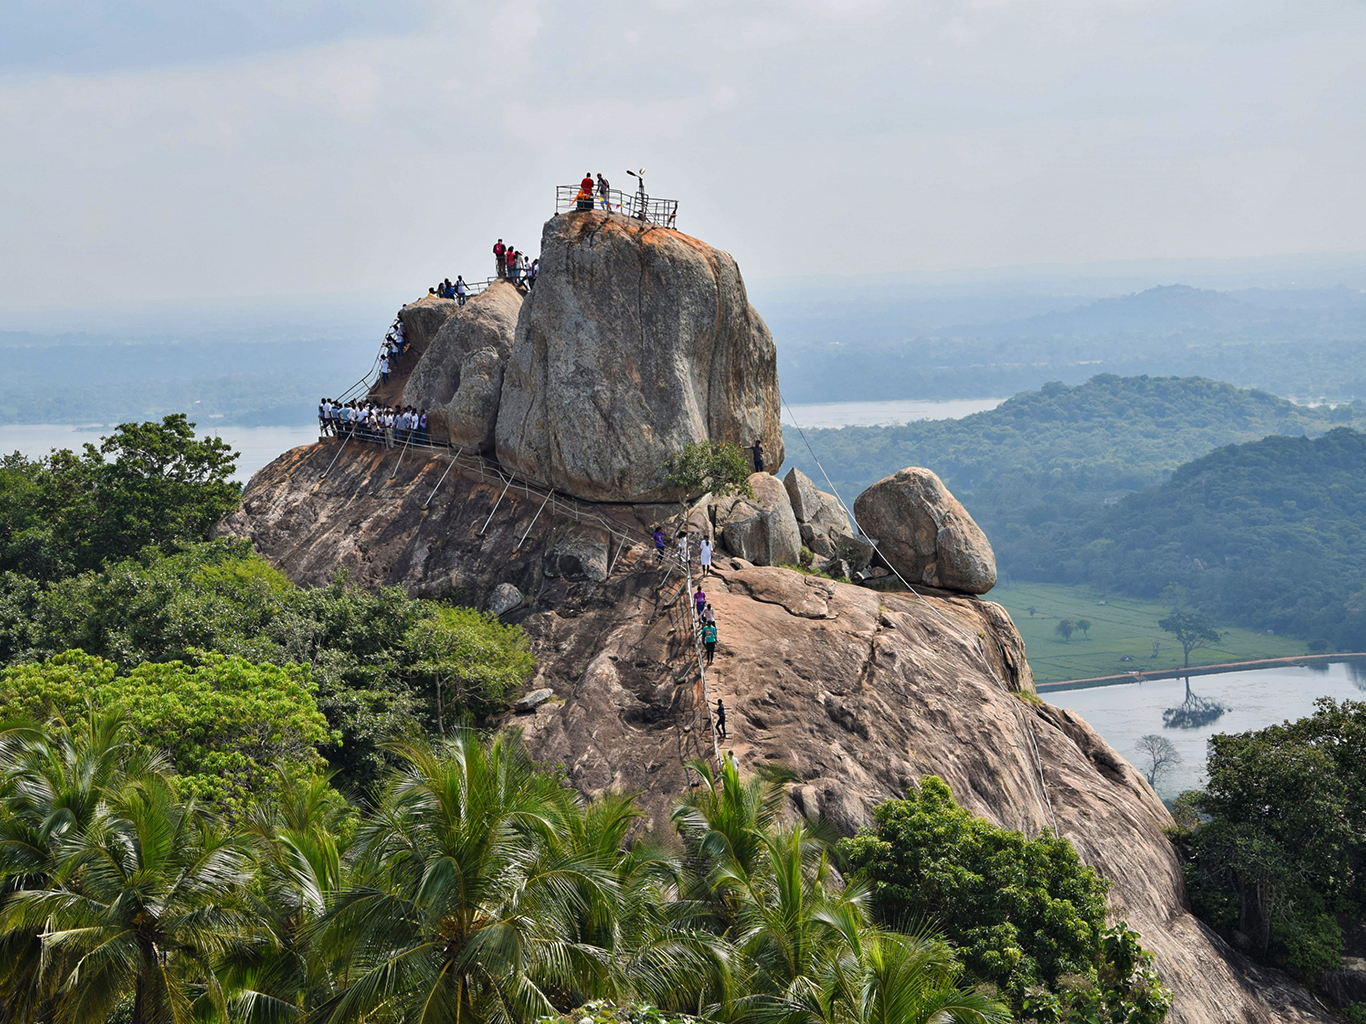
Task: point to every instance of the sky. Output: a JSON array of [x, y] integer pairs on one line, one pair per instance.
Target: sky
[[158, 150]]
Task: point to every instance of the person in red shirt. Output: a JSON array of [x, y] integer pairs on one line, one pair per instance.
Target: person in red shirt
[[498, 250], [586, 186], [512, 264]]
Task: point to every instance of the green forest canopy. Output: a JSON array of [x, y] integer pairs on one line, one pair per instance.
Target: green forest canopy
[[1054, 478]]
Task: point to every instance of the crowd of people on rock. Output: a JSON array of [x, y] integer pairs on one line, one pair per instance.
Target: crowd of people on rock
[[365, 420], [515, 266], [459, 291]]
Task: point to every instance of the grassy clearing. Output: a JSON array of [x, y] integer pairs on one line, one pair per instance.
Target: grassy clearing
[[1120, 626]]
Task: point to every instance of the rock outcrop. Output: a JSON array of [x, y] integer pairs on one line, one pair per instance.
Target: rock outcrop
[[860, 692], [822, 523], [763, 531], [459, 378], [925, 534], [635, 341]]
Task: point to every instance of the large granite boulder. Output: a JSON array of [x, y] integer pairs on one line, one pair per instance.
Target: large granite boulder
[[635, 341], [763, 531], [925, 534], [460, 376], [821, 519], [423, 318]]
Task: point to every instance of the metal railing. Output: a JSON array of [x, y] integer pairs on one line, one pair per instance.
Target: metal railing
[[560, 504], [660, 212]]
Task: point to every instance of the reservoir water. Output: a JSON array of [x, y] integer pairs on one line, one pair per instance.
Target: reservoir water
[[259, 445], [1252, 700]]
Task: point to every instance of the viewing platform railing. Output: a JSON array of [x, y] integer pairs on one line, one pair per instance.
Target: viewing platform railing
[[659, 212]]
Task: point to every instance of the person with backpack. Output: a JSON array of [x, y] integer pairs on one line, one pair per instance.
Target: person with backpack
[[462, 290], [498, 250]]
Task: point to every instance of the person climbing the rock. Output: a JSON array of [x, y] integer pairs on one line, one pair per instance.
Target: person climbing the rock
[[659, 544], [700, 599], [499, 249], [704, 556], [758, 449], [384, 367], [532, 273], [682, 547], [422, 426], [720, 710], [709, 615], [462, 290]]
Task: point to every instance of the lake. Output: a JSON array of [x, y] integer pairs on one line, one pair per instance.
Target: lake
[[1253, 699], [259, 445]]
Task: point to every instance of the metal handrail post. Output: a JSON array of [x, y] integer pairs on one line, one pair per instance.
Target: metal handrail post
[[495, 506], [334, 459], [533, 521], [439, 483]]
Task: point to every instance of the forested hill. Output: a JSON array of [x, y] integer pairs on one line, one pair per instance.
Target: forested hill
[[1052, 457], [1268, 534]]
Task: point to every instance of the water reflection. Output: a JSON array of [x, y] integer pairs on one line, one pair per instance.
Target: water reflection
[[1194, 712], [1356, 672], [1253, 699]]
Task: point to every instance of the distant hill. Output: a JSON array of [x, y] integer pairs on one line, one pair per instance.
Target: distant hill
[[1270, 534], [1305, 343], [1036, 468]]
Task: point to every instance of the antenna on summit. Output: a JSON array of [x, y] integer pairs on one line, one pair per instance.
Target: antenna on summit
[[642, 200]]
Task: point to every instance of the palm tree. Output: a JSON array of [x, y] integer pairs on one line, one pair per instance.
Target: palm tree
[[140, 898], [52, 787], [464, 905], [297, 835], [913, 979]]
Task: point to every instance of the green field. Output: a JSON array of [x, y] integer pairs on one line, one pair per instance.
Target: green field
[[1119, 626]]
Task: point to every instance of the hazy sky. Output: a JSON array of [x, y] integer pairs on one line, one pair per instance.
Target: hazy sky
[[160, 149]]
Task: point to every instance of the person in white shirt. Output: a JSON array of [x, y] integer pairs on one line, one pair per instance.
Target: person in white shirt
[[384, 367], [683, 547], [704, 555]]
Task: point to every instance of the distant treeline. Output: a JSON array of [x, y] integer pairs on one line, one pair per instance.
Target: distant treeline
[[1054, 477], [880, 349]]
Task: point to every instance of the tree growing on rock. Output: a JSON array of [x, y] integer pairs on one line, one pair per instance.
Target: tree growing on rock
[[716, 466]]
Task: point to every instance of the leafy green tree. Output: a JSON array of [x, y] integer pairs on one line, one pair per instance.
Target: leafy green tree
[[1024, 912], [716, 466], [1065, 629], [1192, 630], [470, 658], [1084, 625], [1281, 853], [145, 484], [222, 724]]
